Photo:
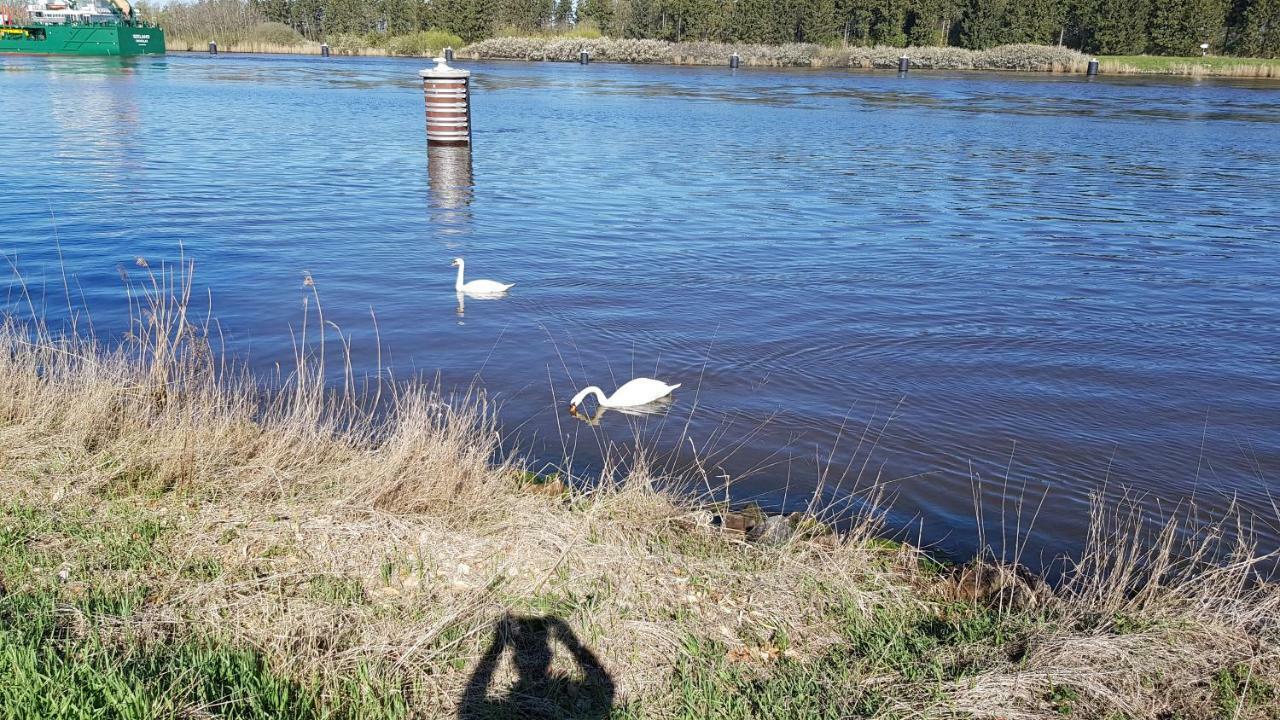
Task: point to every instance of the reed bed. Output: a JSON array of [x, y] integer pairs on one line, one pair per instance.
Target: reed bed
[[268, 39], [1190, 66], [178, 538], [267, 48], [1007, 57]]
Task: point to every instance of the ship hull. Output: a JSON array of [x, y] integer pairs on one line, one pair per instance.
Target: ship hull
[[112, 39]]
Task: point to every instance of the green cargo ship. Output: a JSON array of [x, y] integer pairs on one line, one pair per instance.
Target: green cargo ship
[[68, 27]]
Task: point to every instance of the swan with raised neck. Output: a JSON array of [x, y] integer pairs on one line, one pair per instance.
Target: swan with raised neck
[[477, 287]]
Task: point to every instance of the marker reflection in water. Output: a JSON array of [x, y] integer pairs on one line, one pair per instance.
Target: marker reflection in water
[[451, 185]]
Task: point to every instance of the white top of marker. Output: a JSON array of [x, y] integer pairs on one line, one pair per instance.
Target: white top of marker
[[442, 70]]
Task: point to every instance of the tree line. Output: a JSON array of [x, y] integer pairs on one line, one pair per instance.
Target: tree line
[[1111, 27]]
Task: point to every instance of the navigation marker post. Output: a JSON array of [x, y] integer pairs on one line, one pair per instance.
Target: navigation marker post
[[448, 94]]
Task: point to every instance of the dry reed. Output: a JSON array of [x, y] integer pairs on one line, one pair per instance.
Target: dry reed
[[265, 48], [1221, 67]]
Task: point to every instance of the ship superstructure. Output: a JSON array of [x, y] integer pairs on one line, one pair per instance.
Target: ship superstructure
[[80, 27]]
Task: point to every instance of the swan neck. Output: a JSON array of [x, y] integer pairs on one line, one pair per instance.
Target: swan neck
[[458, 284], [592, 390]]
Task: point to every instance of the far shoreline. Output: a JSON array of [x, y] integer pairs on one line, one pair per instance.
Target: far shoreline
[[1139, 65]]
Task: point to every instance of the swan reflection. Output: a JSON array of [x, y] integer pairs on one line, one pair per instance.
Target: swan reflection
[[462, 299], [657, 407]]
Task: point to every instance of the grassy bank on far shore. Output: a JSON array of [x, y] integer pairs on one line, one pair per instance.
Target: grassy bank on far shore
[[178, 541], [566, 49], [1033, 58], [1212, 66], [270, 40], [272, 49], [265, 48]]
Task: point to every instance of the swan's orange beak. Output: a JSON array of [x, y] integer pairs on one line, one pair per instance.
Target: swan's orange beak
[[573, 409]]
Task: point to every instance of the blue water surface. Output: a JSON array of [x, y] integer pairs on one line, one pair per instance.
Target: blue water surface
[[942, 285]]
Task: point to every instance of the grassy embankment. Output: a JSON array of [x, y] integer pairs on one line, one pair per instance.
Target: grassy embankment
[[177, 541], [1213, 66], [277, 38], [565, 47]]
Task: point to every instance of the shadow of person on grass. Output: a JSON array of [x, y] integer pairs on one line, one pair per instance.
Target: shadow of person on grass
[[538, 692]]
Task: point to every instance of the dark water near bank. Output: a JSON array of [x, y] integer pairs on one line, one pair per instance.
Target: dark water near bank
[[937, 281]]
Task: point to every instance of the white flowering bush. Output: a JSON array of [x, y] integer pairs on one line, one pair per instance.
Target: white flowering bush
[[1006, 57], [1032, 57], [710, 53]]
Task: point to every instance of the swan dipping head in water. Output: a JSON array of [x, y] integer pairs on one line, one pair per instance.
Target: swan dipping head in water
[[640, 391], [477, 287]]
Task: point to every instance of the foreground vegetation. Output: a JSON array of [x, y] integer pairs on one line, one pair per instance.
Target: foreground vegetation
[[177, 540]]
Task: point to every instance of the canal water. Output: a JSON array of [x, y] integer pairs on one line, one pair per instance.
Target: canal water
[[945, 286]]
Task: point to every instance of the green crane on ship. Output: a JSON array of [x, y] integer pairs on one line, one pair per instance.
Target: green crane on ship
[[80, 27]]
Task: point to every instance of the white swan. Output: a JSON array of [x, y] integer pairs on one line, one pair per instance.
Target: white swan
[[640, 391], [477, 287]]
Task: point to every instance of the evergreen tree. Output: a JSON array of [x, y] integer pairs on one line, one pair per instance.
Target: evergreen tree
[[639, 18], [1114, 28], [564, 14], [623, 19], [1178, 27], [522, 15], [1033, 21], [345, 16], [983, 25], [930, 22], [888, 23], [759, 21], [706, 20], [598, 12], [1260, 34], [470, 19], [307, 17], [396, 17], [818, 22], [855, 21]]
